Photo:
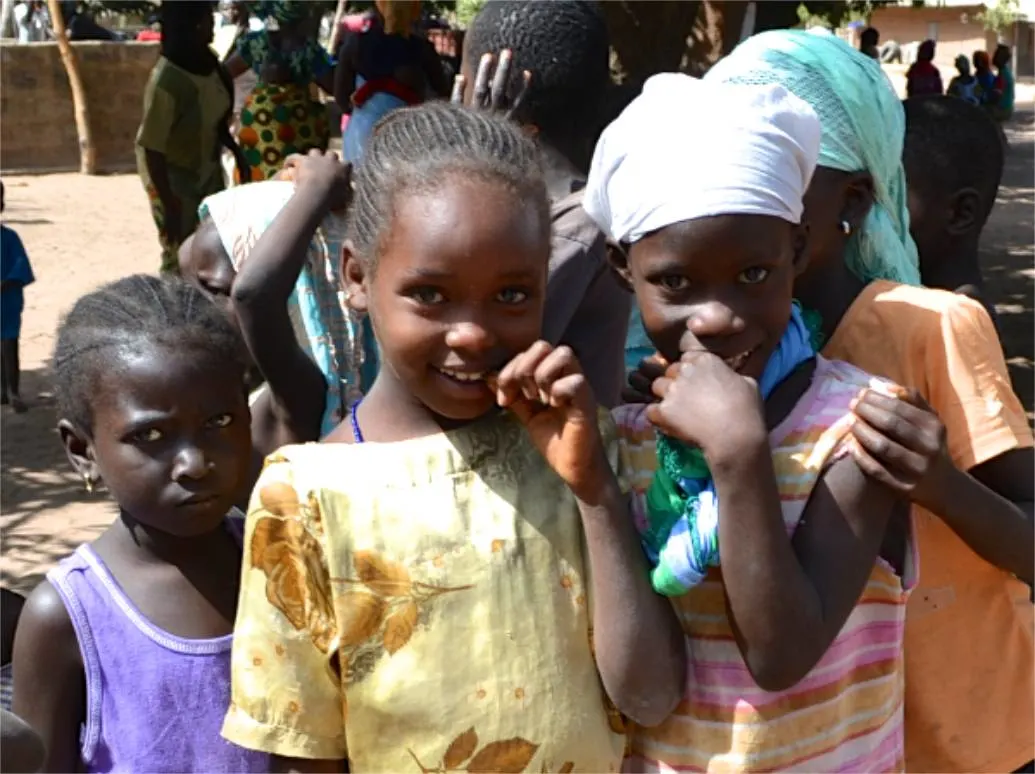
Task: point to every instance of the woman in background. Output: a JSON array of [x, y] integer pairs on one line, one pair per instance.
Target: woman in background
[[280, 117]]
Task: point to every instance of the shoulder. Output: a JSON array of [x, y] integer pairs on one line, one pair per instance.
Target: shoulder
[[919, 310], [46, 627]]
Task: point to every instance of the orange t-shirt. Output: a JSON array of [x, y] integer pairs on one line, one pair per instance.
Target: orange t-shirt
[[970, 659]]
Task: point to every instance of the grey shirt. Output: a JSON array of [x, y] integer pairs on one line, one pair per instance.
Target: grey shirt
[[586, 307]]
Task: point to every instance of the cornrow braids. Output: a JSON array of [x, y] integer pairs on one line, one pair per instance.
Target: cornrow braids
[[417, 150], [126, 316]]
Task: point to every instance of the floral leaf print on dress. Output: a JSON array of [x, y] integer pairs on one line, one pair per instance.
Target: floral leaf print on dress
[[511, 756]]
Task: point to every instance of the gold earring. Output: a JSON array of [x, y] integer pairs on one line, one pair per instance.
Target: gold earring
[[88, 482]]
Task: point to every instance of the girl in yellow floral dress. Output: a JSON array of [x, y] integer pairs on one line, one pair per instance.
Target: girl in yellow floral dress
[[451, 580]]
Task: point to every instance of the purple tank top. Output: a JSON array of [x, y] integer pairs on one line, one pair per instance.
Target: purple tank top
[[154, 702]]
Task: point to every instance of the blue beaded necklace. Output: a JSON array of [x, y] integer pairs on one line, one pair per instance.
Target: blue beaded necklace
[[357, 434]]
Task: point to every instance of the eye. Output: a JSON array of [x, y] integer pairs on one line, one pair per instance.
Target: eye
[[753, 276], [427, 296], [222, 420], [149, 435], [512, 296], [673, 282]]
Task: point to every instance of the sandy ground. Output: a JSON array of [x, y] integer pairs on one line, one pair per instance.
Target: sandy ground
[[81, 232]]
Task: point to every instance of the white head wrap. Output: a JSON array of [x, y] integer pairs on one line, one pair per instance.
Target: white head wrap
[[688, 149]]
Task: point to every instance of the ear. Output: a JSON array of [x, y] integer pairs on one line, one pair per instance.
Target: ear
[[858, 199], [79, 450], [618, 260], [964, 212], [354, 276], [799, 244]]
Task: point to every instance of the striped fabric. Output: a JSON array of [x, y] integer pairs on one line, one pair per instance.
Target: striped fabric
[[846, 714]]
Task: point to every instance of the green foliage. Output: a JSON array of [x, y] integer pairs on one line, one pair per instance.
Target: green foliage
[[1000, 16], [466, 10], [835, 14]]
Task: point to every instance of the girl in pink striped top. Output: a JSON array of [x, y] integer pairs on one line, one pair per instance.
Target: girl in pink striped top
[[788, 567]]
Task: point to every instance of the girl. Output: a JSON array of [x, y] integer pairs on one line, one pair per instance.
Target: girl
[[430, 524], [382, 68], [802, 626], [187, 107], [269, 252], [122, 654], [280, 118], [923, 78], [966, 464]]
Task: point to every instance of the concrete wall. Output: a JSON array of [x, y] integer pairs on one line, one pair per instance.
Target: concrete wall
[[957, 30], [37, 123]]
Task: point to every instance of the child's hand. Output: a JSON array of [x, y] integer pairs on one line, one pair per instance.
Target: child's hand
[[705, 403], [495, 98], [640, 380], [545, 387], [324, 174], [901, 443]]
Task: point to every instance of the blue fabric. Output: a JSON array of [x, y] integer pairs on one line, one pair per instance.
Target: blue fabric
[[14, 268], [691, 544], [363, 119], [637, 344]]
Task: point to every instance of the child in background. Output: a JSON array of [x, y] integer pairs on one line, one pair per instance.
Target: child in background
[[431, 525], [564, 46], [985, 78], [122, 654], [187, 111], [1005, 83], [953, 159], [15, 274], [959, 446], [923, 78], [792, 589], [269, 253], [964, 85]]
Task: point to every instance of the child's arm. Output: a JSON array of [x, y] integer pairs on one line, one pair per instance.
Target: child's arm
[[639, 644], [902, 443], [48, 670], [21, 748], [261, 291], [787, 598]]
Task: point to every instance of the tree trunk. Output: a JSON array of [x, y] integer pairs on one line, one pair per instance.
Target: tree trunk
[[7, 27], [87, 151]]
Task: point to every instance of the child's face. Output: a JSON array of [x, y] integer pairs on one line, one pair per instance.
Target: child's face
[[728, 279], [458, 291], [171, 438]]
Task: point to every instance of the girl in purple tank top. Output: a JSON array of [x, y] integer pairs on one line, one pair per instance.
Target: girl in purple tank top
[[122, 656]]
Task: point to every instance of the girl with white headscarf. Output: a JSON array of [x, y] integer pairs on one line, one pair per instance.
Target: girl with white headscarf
[[755, 519], [963, 430]]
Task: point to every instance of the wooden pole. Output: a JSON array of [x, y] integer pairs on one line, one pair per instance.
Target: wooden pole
[[87, 151], [339, 14]]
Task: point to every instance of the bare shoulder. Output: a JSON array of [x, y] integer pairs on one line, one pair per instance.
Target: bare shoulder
[[46, 629]]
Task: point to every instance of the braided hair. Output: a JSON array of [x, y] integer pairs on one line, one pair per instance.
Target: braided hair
[[126, 316], [419, 149]]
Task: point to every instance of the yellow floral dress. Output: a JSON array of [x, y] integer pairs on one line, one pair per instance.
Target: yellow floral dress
[[420, 606]]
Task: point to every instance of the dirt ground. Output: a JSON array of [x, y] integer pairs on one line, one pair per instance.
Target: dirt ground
[[81, 232]]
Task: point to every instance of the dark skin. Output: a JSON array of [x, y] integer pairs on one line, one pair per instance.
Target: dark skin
[[21, 748], [715, 297], [455, 295], [990, 506], [290, 410], [170, 441]]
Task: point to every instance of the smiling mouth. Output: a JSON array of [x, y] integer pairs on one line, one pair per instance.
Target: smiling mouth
[[738, 361], [466, 377], [195, 500]]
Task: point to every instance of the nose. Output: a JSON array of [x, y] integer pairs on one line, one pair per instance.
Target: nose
[[714, 319], [190, 463], [470, 336]]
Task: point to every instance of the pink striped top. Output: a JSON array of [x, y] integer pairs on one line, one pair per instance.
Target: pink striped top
[[846, 714]]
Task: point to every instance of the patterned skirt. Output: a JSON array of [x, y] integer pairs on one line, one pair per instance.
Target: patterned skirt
[[276, 122]]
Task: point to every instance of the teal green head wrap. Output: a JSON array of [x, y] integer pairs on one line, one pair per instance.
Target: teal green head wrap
[[863, 129]]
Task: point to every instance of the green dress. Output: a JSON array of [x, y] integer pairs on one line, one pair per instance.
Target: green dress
[[182, 116]]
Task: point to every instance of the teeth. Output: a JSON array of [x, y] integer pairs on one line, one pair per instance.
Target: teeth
[[737, 361], [463, 376]]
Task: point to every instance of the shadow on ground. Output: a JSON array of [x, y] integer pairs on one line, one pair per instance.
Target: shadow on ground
[[1008, 257]]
